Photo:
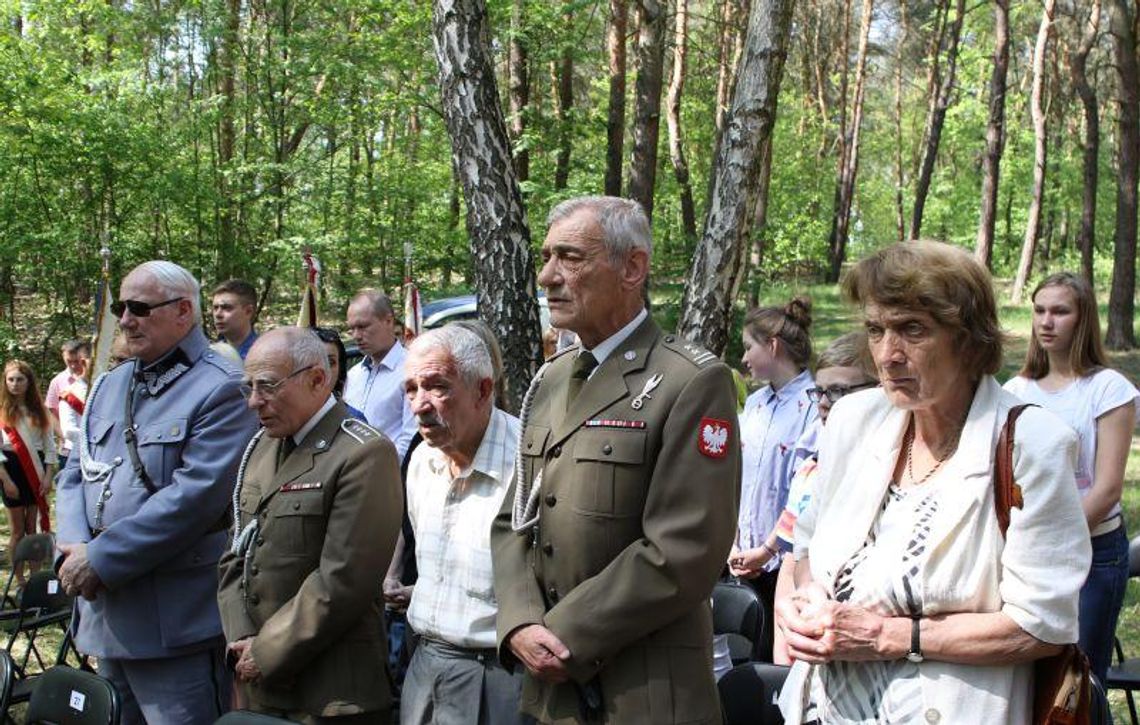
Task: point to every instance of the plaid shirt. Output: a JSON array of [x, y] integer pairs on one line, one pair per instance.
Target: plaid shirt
[[454, 597]]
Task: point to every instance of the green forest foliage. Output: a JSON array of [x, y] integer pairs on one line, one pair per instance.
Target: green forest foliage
[[111, 115]]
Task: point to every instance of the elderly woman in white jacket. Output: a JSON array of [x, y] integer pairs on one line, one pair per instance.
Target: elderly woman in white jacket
[[910, 605]]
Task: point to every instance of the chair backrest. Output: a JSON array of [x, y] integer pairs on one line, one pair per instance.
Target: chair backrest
[[34, 548], [44, 593], [66, 696], [7, 676], [245, 717], [1134, 557], [736, 610], [748, 694]]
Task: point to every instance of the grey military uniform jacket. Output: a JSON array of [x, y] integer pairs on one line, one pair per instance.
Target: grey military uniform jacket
[[157, 553], [637, 515], [305, 580]]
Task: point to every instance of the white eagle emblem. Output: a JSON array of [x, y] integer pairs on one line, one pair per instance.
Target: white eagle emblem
[[713, 438]]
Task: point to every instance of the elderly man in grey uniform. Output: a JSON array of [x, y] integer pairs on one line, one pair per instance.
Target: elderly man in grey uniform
[[143, 509]]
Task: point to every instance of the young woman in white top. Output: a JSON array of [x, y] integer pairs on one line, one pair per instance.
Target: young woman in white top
[[777, 349], [1066, 372], [28, 453]]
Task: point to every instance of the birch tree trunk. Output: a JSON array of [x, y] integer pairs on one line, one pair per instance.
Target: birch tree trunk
[[615, 116], [939, 105], [849, 154], [496, 220], [995, 135], [1121, 303], [1040, 155], [718, 264], [1090, 147], [673, 119], [647, 103]]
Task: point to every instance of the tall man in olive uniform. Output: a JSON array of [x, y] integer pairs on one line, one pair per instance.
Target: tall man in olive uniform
[[607, 550], [318, 510], [143, 508]]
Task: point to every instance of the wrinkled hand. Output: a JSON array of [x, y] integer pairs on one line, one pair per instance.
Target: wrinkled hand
[[245, 668], [396, 595], [541, 651], [76, 575], [748, 563], [819, 630]]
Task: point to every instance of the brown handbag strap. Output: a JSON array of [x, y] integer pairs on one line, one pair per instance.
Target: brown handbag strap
[[1007, 494]]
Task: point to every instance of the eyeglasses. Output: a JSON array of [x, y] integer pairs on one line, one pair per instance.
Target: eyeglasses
[[834, 392], [139, 309], [268, 391]]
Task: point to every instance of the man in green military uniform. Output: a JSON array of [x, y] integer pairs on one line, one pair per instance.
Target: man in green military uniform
[[317, 511], [608, 546]]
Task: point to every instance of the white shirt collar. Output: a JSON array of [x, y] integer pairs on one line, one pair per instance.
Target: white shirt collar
[[606, 347], [312, 422]]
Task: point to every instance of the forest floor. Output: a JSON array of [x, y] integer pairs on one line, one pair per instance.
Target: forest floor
[[832, 317]]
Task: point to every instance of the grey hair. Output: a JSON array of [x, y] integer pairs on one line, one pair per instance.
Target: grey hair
[[301, 344], [466, 348], [175, 280], [381, 303], [624, 224]]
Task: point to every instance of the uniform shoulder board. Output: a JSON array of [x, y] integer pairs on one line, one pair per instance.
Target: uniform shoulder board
[[691, 351], [573, 348], [358, 430]]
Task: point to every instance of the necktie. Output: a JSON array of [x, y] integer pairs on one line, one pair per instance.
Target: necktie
[[287, 446], [583, 365]]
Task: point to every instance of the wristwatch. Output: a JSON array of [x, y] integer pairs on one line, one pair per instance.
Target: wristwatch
[[915, 653]]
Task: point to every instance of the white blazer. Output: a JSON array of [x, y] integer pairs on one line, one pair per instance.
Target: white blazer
[[1033, 576]]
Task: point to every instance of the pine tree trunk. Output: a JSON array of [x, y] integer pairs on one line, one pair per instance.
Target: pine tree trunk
[[673, 119], [1040, 155], [718, 263], [496, 220], [900, 174], [615, 116], [519, 93], [995, 135], [1078, 62], [227, 54], [563, 107], [849, 157], [1121, 300], [939, 105], [647, 103]]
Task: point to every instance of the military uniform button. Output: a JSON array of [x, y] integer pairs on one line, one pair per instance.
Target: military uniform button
[[607, 449], [551, 500], [548, 548], [261, 541], [117, 460], [669, 338], [556, 451], [253, 570], [296, 505], [553, 594], [254, 599], [932, 716]]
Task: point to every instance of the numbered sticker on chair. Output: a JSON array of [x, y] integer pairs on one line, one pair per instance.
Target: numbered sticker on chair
[[53, 586], [77, 701]]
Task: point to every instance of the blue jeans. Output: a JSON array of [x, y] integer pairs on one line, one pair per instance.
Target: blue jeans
[[1102, 596]]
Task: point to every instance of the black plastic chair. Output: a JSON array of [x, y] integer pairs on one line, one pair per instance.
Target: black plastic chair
[[67, 696], [748, 694], [737, 613], [7, 674], [33, 549], [1126, 674], [245, 717], [42, 603]]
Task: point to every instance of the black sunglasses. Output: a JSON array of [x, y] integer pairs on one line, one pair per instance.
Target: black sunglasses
[[835, 392], [139, 309]]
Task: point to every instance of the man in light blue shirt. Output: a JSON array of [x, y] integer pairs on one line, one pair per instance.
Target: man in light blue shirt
[[375, 386]]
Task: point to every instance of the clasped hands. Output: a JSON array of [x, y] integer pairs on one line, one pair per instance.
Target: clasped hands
[[818, 629], [541, 651], [240, 654], [76, 575]]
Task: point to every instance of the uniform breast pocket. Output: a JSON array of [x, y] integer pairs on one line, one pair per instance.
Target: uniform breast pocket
[[609, 475], [159, 444], [534, 448], [297, 524]]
